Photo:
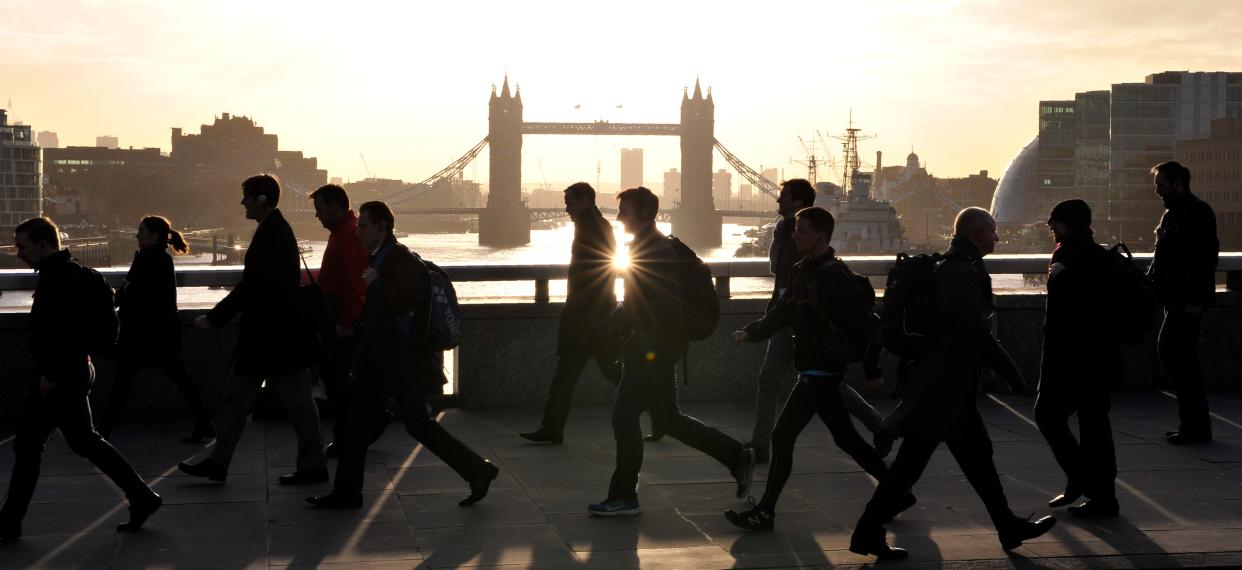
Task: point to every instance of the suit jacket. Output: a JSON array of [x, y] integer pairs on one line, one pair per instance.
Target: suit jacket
[[590, 290], [392, 332], [273, 336], [1183, 266]]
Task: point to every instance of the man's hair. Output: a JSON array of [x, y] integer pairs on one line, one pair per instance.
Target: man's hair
[[971, 220], [820, 220], [1174, 172], [378, 212], [332, 194], [648, 203], [580, 191], [801, 190], [40, 230], [263, 186]]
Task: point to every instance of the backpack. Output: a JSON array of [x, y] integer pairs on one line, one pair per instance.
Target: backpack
[[699, 301], [1133, 298], [908, 293], [98, 306], [445, 329], [837, 346]]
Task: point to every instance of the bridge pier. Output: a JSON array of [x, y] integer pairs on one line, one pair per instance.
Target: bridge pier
[[504, 226], [698, 228]]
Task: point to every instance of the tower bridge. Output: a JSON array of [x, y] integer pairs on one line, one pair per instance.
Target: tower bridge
[[505, 221]]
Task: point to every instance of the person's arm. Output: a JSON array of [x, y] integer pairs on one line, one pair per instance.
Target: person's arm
[[353, 261], [961, 292], [775, 319]]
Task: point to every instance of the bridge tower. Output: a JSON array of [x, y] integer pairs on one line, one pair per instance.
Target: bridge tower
[[695, 219], [505, 222]]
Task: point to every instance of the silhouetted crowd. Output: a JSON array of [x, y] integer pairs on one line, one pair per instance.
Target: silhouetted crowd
[[376, 319]]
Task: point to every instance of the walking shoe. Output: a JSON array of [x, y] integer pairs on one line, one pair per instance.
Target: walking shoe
[[871, 543], [304, 477], [655, 435], [754, 518], [480, 484], [904, 503], [1018, 530], [543, 436], [205, 468], [139, 511], [615, 508], [1188, 437], [336, 501], [1068, 497], [744, 471], [1096, 508]]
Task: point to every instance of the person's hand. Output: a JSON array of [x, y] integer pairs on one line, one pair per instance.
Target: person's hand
[[202, 322], [344, 332], [46, 386], [369, 275]]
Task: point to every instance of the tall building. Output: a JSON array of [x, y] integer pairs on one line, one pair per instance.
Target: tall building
[[1091, 148], [107, 186], [672, 186], [771, 174], [722, 188], [631, 168], [1055, 169], [20, 197], [107, 141], [1215, 164], [210, 167], [745, 197], [47, 139]]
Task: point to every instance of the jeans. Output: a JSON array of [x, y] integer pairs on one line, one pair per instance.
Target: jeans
[[1090, 465], [294, 389]]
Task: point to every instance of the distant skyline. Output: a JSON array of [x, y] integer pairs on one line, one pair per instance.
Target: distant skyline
[[407, 85]]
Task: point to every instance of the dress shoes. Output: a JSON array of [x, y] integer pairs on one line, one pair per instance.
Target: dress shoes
[[655, 435], [1018, 530], [1096, 508], [543, 436], [335, 501], [870, 544], [1187, 437], [304, 477], [480, 484], [139, 511], [205, 468], [1066, 498]]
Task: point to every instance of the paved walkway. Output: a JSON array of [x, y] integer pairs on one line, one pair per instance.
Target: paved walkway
[[1180, 506]]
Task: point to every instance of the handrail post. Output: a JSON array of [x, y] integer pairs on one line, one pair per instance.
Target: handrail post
[[722, 287], [541, 291]]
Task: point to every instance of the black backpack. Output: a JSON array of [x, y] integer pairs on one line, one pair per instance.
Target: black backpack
[[98, 306], [1133, 298], [908, 293], [837, 346], [699, 301], [445, 325]]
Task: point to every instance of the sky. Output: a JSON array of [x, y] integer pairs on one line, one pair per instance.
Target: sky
[[406, 84]]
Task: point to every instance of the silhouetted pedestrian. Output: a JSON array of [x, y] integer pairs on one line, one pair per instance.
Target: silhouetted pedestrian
[[340, 279], [939, 402], [590, 296], [394, 359], [654, 318], [273, 341], [150, 327], [1184, 272], [1081, 361], [823, 307], [65, 325]]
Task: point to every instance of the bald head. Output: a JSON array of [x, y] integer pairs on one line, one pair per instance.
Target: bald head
[[978, 226]]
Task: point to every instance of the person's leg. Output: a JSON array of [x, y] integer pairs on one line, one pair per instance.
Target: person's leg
[[295, 393], [1052, 412], [334, 373], [912, 458], [858, 406], [240, 393], [122, 384], [773, 386], [435, 438], [831, 408], [668, 417], [1178, 346], [367, 419], [973, 452], [73, 416], [35, 422], [174, 366], [797, 412], [1100, 456], [569, 366], [632, 398]]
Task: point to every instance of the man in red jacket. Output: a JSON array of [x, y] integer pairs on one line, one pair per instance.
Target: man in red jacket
[[340, 279]]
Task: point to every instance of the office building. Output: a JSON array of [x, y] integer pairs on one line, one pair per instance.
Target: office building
[[20, 195], [631, 168], [107, 141]]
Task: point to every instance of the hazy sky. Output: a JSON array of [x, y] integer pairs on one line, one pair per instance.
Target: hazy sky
[[407, 85]]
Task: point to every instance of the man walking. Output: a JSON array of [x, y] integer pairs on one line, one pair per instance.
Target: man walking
[[1183, 270], [652, 313], [590, 296], [939, 403], [1081, 361], [273, 342], [60, 337], [394, 360]]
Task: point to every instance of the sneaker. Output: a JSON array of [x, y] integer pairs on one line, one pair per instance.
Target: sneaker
[[754, 518], [743, 472], [615, 508]]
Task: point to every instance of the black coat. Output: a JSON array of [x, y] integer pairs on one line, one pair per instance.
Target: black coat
[[272, 337], [590, 289], [147, 306], [1080, 351], [1187, 249], [58, 343], [782, 255], [652, 310]]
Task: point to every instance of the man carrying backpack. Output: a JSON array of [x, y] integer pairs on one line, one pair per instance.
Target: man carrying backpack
[[68, 320], [1081, 361], [939, 402], [1183, 270], [821, 305], [654, 313], [397, 356]]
